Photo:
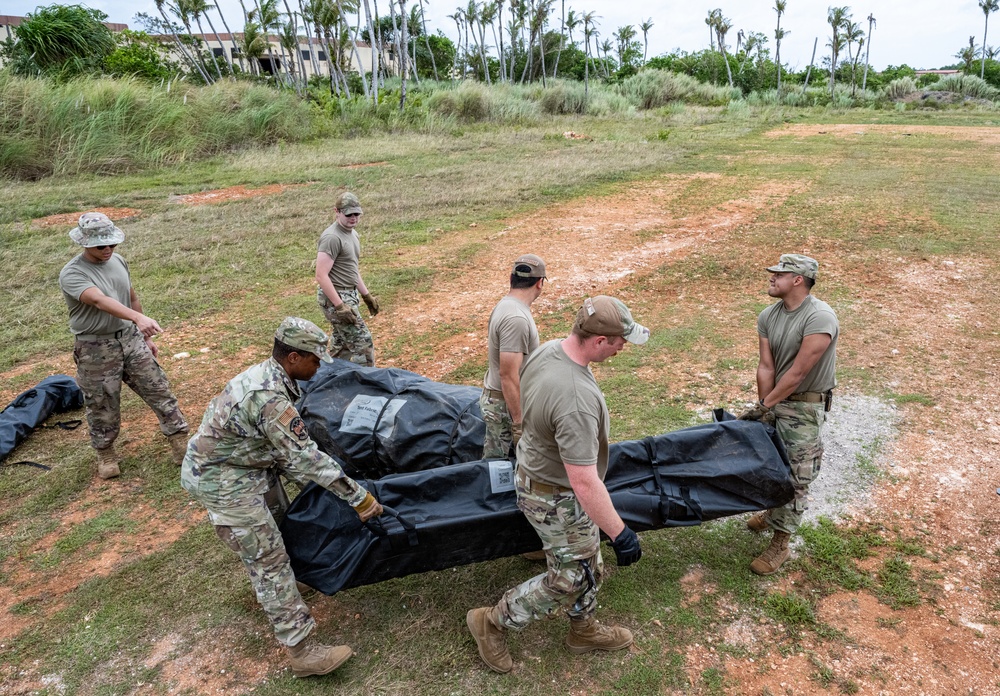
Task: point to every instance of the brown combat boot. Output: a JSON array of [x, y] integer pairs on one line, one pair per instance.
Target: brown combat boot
[[534, 555], [773, 556], [311, 659], [107, 463], [590, 634], [178, 445], [491, 638], [759, 522]]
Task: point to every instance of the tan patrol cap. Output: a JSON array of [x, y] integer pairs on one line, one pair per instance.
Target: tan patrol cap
[[529, 266]]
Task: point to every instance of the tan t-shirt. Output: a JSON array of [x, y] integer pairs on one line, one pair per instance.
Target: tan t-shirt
[[344, 247], [110, 277], [784, 332], [511, 330], [565, 417]]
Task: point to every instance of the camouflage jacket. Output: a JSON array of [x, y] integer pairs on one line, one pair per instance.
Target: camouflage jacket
[[252, 426]]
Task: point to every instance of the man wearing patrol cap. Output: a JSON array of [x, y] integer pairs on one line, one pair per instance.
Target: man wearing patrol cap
[[251, 433], [511, 337], [113, 342], [562, 459], [795, 381], [339, 277]]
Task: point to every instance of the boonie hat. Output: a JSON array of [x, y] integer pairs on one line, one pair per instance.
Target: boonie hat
[[96, 229], [797, 264], [606, 316], [303, 335], [529, 266], [348, 203]]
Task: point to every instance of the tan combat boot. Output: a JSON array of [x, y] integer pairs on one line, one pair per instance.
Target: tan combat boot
[[759, 522], [773, 556], [491, 638], [178, 445], [590, 634], [107, 463], [311, 659], [533, 555]]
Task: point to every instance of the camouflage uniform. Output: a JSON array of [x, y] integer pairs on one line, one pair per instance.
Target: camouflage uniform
[[799, 426], [499, 438], [575, 567], [102, 365], [351, 342], [251, 432]]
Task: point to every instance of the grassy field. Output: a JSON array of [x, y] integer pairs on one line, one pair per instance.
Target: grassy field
[[122, 587]]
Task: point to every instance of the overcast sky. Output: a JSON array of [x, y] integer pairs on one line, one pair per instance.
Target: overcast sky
[[920, 33]]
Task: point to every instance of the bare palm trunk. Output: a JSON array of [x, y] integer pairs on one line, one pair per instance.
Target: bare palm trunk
[[181, 47], [982, 65], [482, 51], [562, 38], [868, 50], [232, 39], [427, 40], [229, 66], [376, 52], [403, 41], [811, 61], [357, 54]]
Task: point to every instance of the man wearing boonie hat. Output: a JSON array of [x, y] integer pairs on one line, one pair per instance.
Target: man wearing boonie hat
[[511, 337], [562, 459], [340, 282], [796, 375], [251, 434], [113, 342]]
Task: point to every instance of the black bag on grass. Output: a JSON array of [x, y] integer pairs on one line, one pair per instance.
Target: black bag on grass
[[465, 513], [29, 410], [387, 421]]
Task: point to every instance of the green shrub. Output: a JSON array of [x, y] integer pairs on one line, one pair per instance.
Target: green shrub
[[966, 85], [651, 89]]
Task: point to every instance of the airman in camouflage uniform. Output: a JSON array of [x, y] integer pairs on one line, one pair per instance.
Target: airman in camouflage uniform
[[511, 335], [113, 342], [795, 381], [341, 288], [251, 434], [562, 459]]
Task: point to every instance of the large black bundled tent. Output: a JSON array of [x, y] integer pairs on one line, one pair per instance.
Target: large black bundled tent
[[462, 513], [387, 421], [29, 410]]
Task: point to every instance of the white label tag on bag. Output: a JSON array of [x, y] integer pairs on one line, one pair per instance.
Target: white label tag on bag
[[363, 411], [501, 476]]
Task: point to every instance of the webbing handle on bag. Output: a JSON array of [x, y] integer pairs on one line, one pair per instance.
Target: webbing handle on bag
[[376, 527]]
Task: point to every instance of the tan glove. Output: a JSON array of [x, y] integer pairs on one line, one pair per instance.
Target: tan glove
[[759, 412], [368, 508], [372, 302], [516, 429], [346, 314]]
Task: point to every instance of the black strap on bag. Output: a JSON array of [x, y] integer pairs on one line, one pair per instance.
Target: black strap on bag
[[669, 507], [454, 431], [27, 463], [376, 527]]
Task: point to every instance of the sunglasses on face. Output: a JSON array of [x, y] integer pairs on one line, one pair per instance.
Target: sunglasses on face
[[352, 215], [105, 246]]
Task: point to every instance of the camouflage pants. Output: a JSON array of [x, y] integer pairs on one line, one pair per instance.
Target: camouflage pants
[[102, 366], [499, 438], [351, 342], [263, 553], [799, 425], [572, 548]]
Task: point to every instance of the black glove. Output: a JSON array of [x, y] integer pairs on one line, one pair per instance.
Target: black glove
[[627, 549], [759, 412]]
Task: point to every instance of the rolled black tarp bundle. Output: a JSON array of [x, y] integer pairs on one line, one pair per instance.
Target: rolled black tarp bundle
[[387, 421], [55, 394], [465, 513]]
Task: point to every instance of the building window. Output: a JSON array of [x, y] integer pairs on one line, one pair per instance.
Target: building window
[[218, 52], [321, 55], [306, 55]]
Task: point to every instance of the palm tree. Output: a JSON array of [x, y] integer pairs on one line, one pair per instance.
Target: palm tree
[[837, 17], [968, 54], [170, 26], [181, 10], [588, 30], [779, 34], [403, 40], [572, 22], [645, 27], [606, 47], [986, 6], [623, 37], [562, 37], [722, 25], [852, 34], [427, 40], [202, 7], [868, 48], [710, 21], [195, 9], [254, 44]]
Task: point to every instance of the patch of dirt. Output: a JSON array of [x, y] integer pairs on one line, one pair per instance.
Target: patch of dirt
[[70, 219], [232, 193], [362, 165], [979, 134]]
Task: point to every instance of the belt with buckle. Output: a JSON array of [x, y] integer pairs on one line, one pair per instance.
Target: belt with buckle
[[104, 337], [808, 397], [493, 393], [541, 488]]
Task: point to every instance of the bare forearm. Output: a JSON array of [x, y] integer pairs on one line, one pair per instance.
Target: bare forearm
[[512, 395], [360, 284], [596, 502], [765, 381]]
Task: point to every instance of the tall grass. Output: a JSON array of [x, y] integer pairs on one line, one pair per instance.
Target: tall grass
[[651, 89], [112, 125], [967, 85], [899, 88]]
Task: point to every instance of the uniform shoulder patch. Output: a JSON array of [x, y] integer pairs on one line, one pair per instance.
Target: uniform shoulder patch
[[298, 428], [287, 416]]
